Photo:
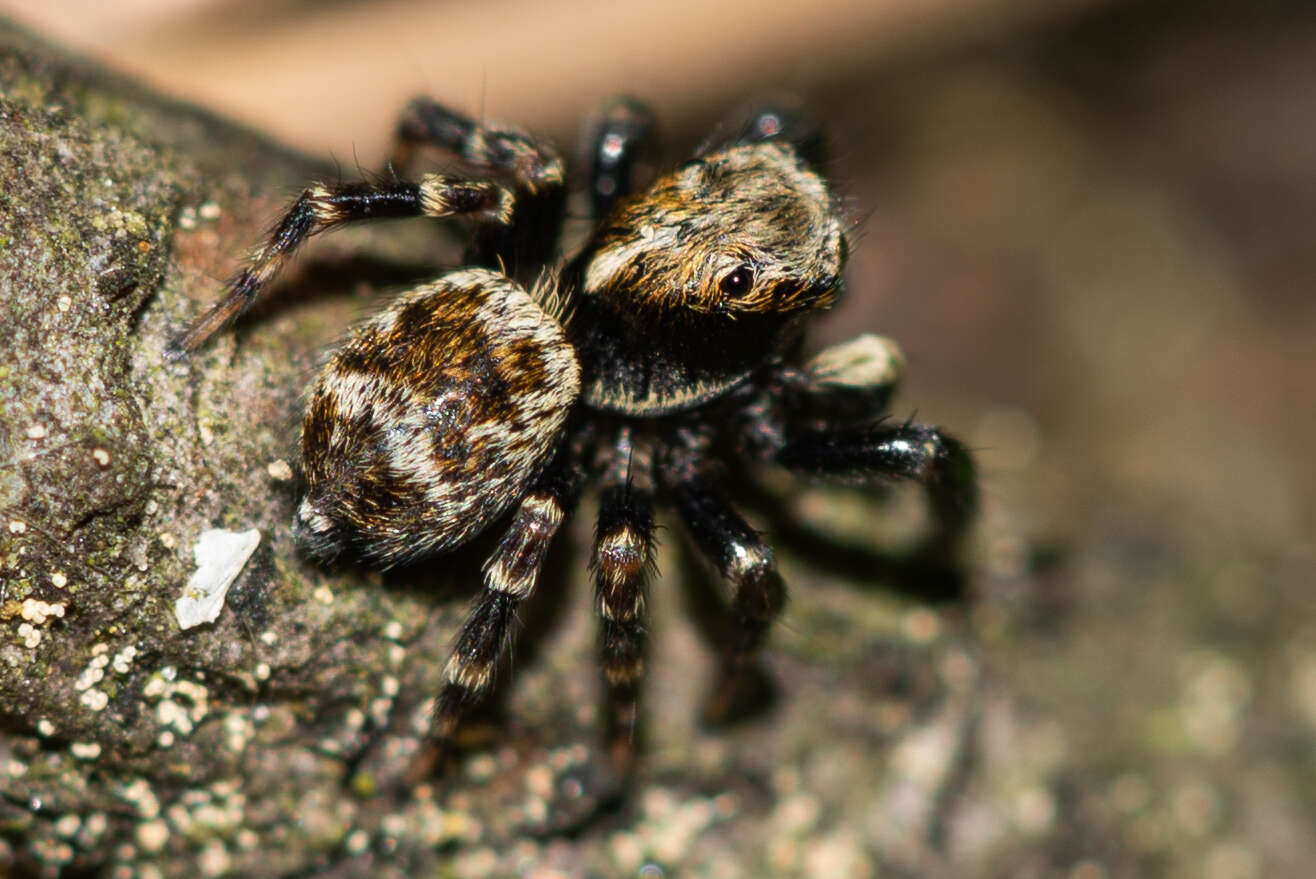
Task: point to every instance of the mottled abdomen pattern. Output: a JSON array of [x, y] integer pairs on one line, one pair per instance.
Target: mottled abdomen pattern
[[433, 418]]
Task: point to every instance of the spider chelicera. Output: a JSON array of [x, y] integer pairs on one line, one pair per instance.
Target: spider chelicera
[[658, 361]]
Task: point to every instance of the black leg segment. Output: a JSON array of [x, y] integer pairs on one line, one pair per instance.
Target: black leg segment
[[916, 452], [323, 207], [741, 556], [619, 138]]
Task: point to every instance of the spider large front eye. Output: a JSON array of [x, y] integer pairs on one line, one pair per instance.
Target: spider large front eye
[[738, 281]]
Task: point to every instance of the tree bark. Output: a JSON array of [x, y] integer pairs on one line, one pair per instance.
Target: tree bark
[[262, 743]]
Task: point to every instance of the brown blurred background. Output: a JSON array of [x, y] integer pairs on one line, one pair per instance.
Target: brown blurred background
[[1090, 225]]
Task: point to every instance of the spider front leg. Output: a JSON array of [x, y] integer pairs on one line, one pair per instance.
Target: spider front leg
[[621, 562], [824, 422], [321, 207]]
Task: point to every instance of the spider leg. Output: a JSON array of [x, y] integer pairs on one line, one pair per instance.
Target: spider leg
[[775, 120], [823, 421], [534, 167], [743, 559], [618, 138], [890, 451], [622, 559], [510, 576], [321, 207]]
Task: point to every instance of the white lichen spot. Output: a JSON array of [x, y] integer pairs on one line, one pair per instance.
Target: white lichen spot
[[393, 630], [68, 825], [153, 835], [238, 729], [209, 211], [204, 432], [17, 526], [167, 540], [214, 859], [262, 671], [30, 635], [187, 218], [37, 612], [85, 750], [96, 700], [1034, 809], [268, 637], [45, 728], [59, 580], [279, 470], [921, 626], [64, 303], [97, 823], [101, 457], [357, 842], [139, 795], [323, 594], [123, 660], [166, 739], [170, 713], [36, 431], [380, 710], [94, 673], [220, 556]]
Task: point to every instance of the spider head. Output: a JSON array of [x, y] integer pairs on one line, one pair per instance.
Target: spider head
[[689, 286], [746, 231]]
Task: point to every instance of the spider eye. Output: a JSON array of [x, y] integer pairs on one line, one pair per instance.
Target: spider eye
[[737, 281]]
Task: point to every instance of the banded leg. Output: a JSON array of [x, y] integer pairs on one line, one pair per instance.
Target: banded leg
[[510, 576], [535, 168], [742, 557], [534, 165], [620, 136], [623, 554], [322, 207], [916, 452]]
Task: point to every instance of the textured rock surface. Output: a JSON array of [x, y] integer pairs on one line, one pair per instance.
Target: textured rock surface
[[1093, 244], [242, 745]]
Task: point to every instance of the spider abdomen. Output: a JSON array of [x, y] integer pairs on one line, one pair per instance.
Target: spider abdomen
[[433, 418]]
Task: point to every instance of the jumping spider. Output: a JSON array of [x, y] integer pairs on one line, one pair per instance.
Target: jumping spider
[[656, 362]]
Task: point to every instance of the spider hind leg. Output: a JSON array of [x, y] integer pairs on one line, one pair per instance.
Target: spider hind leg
[[510, 577]]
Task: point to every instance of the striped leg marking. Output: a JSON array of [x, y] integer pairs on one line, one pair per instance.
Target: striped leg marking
[[322, 207], [509, 579], [623, 557]]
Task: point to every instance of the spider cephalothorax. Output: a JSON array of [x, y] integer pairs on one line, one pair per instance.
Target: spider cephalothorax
[[662, 356]]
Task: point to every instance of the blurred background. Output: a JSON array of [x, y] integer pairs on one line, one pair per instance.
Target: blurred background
[[1089, 223]]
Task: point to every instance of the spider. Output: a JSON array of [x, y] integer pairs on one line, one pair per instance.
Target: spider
[[658, 361]]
